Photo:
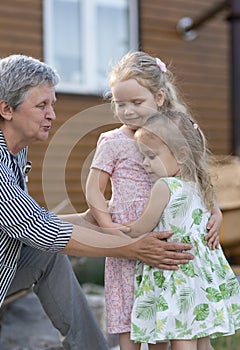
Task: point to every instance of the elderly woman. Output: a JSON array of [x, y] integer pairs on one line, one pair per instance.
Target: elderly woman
[[32, 237]]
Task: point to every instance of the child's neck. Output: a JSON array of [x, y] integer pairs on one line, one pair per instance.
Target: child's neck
[[129, 132]]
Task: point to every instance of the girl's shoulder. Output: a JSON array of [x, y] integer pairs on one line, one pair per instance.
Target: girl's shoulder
[[115, 134], [177, 184], [173, 182]]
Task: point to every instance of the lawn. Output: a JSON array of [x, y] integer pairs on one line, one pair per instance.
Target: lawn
[[231, 342]]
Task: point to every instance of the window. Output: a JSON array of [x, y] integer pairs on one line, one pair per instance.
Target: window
[[83, 38]]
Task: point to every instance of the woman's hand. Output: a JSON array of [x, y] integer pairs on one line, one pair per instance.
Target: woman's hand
[[149, 248], [87, 216], [152, 250], [116, 229], [213, 227], [112, 228]]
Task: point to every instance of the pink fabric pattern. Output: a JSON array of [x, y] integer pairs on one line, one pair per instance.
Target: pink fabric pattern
[[118, 155]]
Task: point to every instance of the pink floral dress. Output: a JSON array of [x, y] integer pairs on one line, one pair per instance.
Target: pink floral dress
[[118, 155]]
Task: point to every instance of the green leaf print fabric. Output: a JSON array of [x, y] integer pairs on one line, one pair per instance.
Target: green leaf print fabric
[[202, 297]]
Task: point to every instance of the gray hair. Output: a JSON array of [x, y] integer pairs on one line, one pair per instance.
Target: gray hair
[[19, 73]]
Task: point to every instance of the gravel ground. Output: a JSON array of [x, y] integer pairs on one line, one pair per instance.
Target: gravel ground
[[25, 326]]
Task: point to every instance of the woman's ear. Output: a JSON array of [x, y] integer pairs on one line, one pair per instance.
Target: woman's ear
[[160, 97], [5, 110]]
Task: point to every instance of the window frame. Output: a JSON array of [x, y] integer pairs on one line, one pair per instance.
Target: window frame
[[88, 88]]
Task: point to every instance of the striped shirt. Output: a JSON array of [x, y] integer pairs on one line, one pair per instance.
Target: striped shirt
[[22, 220]]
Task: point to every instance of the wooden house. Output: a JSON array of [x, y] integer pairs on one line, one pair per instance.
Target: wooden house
[[201, 66]]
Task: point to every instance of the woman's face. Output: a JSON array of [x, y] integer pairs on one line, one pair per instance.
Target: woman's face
[[32, 120], [134, 104]]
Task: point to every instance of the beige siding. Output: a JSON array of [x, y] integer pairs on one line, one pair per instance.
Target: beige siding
[[201, 67]]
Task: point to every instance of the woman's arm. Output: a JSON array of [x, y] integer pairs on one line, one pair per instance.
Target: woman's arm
[[84, 219], [149, 248], [157, 202]]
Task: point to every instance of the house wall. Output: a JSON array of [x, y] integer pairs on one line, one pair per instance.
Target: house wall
[[201, 68]]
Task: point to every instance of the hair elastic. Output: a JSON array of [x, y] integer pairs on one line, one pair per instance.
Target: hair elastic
[[194, 124], [161, 65]]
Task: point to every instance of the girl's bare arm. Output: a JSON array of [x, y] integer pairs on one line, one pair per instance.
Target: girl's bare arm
[[157, 202], [95, 190], [213, 226]]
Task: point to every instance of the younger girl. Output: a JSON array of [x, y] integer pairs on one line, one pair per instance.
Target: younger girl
[[140, 85], [202, 298]]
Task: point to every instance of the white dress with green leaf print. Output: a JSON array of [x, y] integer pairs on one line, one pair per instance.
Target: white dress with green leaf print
[[202, 297]]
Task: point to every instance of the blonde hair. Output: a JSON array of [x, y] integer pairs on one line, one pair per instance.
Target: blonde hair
[[144, 69], [188, 144]]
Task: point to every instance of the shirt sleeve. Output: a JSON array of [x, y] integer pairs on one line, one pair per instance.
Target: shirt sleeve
[[105, 155], [22, 218]]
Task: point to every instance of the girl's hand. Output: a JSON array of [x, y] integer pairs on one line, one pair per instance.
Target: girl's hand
[[213, 227]]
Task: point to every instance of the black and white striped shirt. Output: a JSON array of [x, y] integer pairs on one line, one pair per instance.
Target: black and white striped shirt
[[22, 220]]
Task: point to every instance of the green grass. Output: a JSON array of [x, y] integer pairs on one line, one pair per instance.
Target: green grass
[[90, 270], [227, 343]]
